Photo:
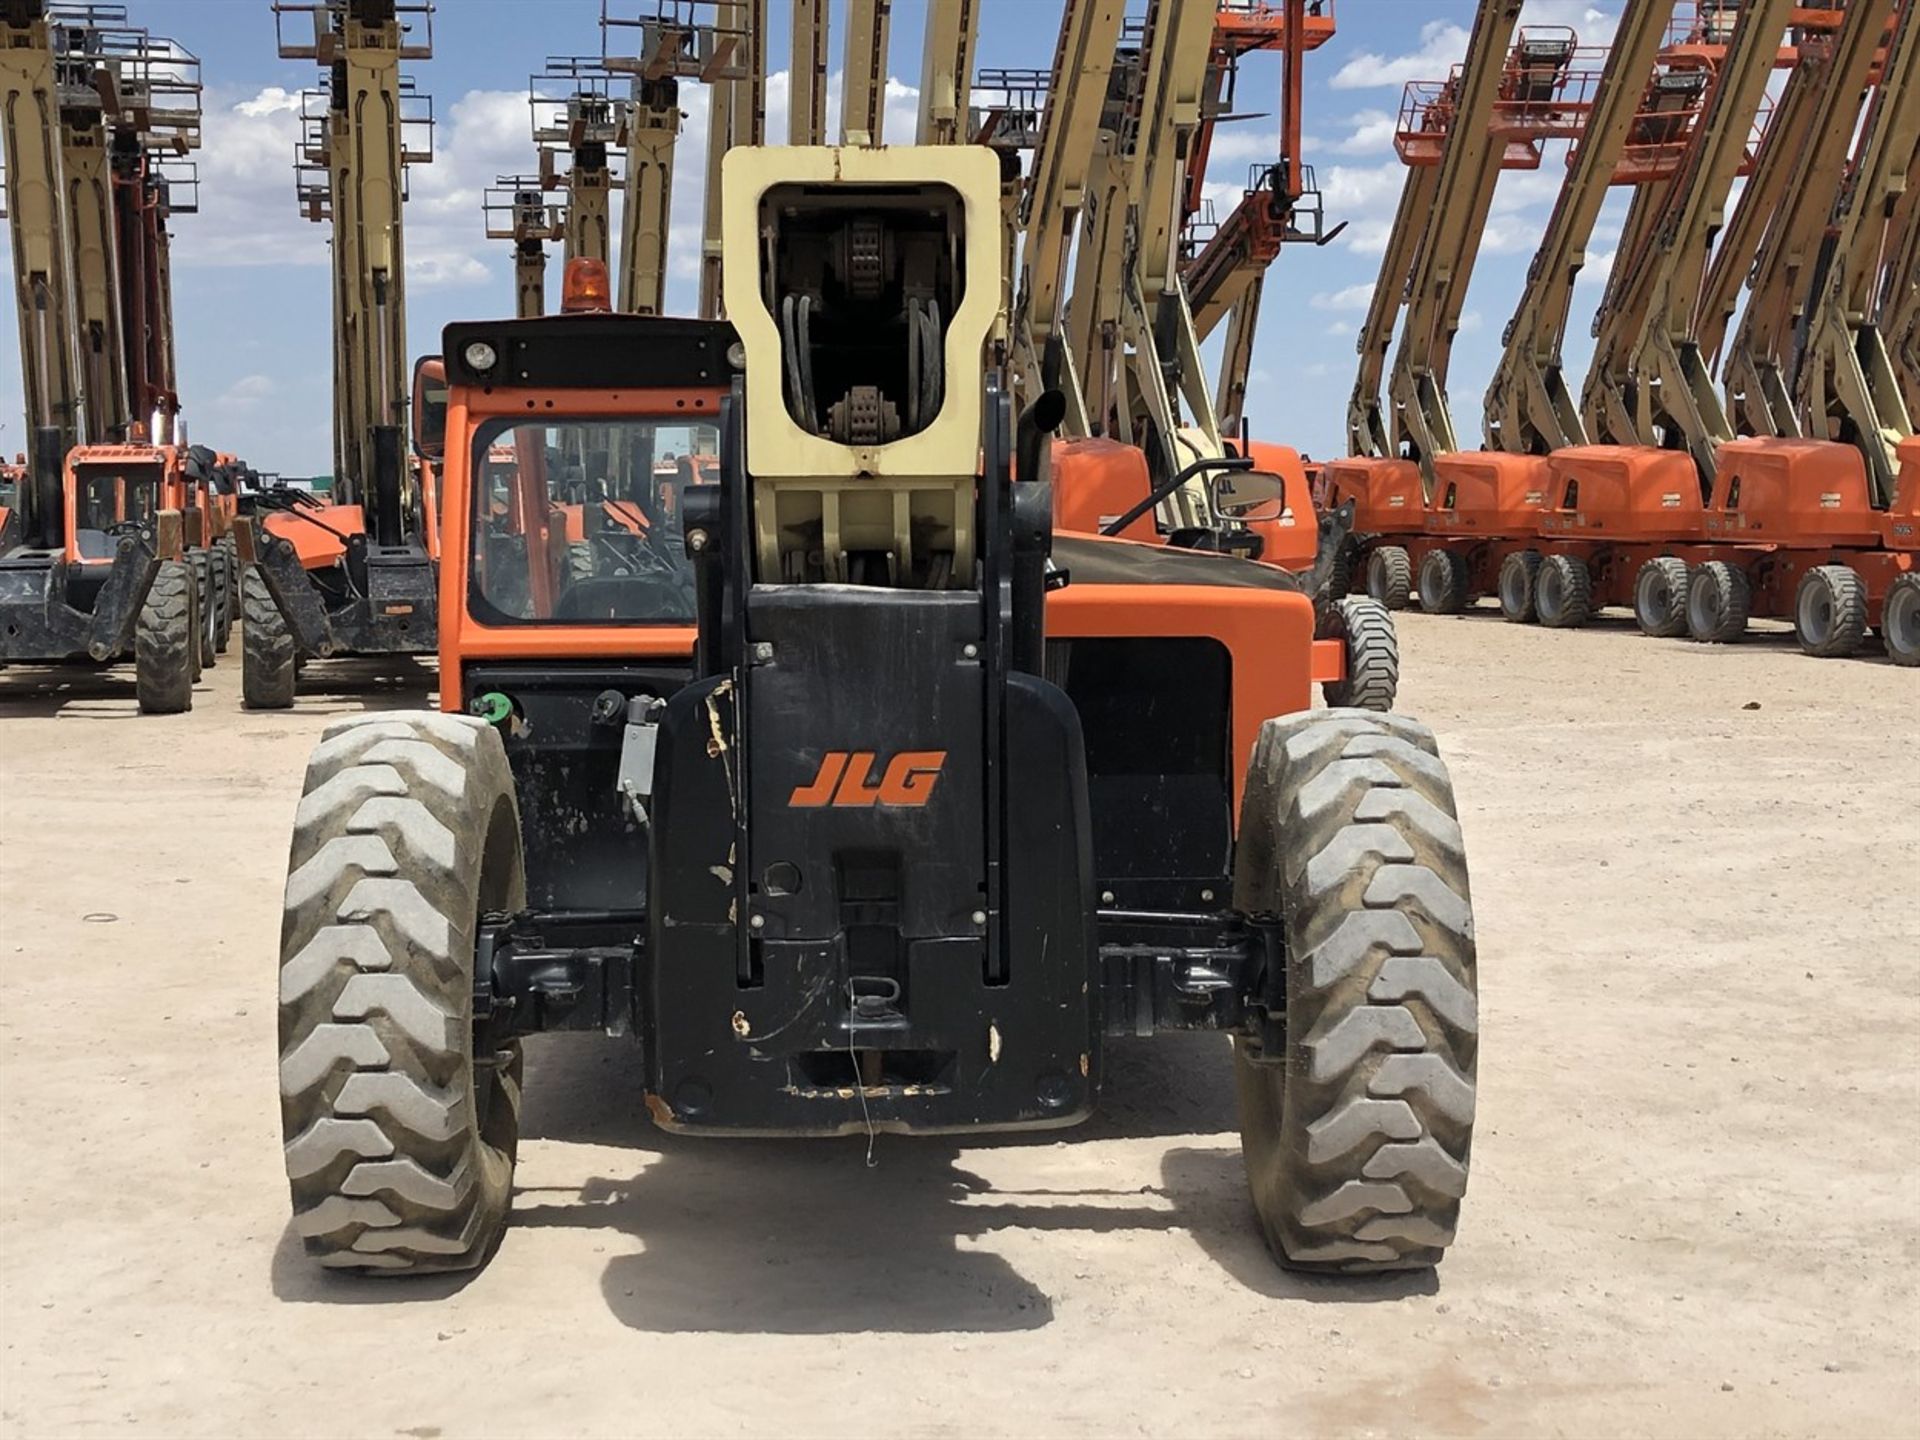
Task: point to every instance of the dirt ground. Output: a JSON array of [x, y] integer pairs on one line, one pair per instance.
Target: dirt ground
[[1695, 1205]]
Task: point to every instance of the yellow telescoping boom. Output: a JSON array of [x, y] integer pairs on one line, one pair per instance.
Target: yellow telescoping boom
[[1528, 408], [42, 253], [1434, 219], [520, 208], [1649, 383], [1054, 200], [1758, 371], [736, 115], [1849, 386]]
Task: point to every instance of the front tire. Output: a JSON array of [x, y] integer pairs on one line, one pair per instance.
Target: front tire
[[1390, 576], [1563, 592], [1517, 574], [1718, 602], [163, 643], [208, 601], [1830, 611], [268, 662], [1660, 597], [1443, 582], [1356, 1138], [1900, 620], [1373, 655], [224, 596], [399, 1139]]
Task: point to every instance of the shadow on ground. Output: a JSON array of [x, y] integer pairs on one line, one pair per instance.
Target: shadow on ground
[[803, 1237]]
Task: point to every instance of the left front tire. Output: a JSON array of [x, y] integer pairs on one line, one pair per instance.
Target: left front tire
[[1356, 1135], [399, 1137]]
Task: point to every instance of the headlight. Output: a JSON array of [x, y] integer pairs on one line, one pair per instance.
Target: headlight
[[737, 355], [480, 356]]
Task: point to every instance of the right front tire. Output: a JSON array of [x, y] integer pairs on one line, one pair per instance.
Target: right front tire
[[1718, 602], [1443, 582], [1660, 597], [268, 662], [1517, 574], [1356, 1136], [1830, 611], [163, 642], [399, 1139], [1373, 655], [1563, 592]]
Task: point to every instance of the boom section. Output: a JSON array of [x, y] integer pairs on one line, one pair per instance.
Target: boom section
[[1528, 408]]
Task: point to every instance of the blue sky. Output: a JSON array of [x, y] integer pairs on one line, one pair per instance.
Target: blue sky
[[251, 286]]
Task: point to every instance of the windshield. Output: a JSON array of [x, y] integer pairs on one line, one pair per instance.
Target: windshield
[[109, 495], [579, 522]]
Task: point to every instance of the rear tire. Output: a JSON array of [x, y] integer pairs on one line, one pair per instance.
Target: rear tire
[[1373, 656], [163, 642], [1517, 574], [208, 600], [224, 596], [1900, 620], [1356, 1139], [1718, 602], [1390, 576], [1443, 582], [399, 1147], [1563, 592], [267, 652], [1660, 597], [1830, 611]]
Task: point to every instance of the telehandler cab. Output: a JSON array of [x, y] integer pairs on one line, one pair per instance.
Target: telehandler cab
[[862, 801]]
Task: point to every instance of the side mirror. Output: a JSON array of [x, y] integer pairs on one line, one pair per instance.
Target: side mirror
[[1235, 492]]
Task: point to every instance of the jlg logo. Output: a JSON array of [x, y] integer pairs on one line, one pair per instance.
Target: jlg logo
[[848, 780]]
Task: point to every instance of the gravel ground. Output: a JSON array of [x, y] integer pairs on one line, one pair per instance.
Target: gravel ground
[[1693, 1200]]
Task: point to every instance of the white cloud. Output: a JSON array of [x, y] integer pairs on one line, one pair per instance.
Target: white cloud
[[271, 101], [1372, 131], [1441, 44], [1594, 24], [1350, 297], [247, 392]]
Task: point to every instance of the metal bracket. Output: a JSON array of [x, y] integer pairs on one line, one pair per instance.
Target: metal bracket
[[638, 745]]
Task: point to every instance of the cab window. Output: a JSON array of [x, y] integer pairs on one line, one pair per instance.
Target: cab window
[[578, 522]]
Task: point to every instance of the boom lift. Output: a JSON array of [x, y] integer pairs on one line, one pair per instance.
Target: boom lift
[[1480, 529], [1836, 520], [92, 561], [356, 575], [1617, 513], [1503, 100], [871, 804]]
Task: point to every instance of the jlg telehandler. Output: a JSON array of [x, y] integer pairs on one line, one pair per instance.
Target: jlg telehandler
[[861, 799]]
